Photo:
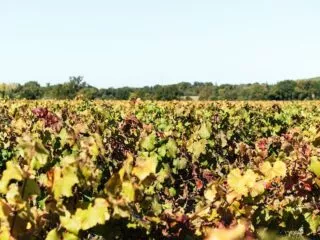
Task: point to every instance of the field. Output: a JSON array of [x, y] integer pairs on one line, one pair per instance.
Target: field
[[159, 170]]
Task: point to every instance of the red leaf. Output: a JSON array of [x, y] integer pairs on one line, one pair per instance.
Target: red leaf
[[199, 184]]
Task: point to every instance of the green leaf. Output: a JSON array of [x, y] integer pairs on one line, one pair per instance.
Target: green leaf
[[164, 173], [31, 188], [172, 148], [180, 163], [197, 148], [172, 191], [204, 131], [162, 150], [148, 142], [156, 207]]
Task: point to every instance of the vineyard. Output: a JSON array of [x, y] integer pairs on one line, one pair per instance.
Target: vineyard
[[159, 170]]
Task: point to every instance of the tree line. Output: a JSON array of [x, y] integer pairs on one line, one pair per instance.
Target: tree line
[[76, 87]]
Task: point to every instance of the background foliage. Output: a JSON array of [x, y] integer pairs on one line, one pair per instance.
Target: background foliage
[[306, 89]]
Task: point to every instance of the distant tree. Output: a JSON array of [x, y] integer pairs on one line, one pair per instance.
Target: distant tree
[[88, 93], [168, 92], [207, 93], [7, 90], [30, 90], [284, 90], [123, 93]]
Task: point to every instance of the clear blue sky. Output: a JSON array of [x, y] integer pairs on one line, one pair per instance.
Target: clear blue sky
[[144, 42]]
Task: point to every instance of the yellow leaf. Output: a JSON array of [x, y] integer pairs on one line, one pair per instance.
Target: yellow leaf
[[204, 131], [127, 167], [86, 218], [210, 193], [13, 197], [278, 169], [33, 152], [315, 166], [65, 137], [234, 233], [145, 166], [71, 223], [242, 185], [5, 212], [68, 160], [5, 234], [69, 236], [266, 168], [250, 178], [128, 191], [257, 189], [197, 148], [64, 180], [12, 172], [19, 125], [237, 182], [53, 235]]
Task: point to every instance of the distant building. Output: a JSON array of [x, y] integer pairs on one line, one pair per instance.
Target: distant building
[[194, 98]]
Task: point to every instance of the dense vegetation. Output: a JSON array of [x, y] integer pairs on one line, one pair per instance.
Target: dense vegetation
[[159, 170], [76, 87]]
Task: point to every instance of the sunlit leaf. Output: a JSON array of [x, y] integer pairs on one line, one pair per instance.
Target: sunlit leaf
[[65, 137], [145, 166], [34, 152], [210, 193], [180, 163], [204, 131], [14, 198], [315, 166], [64, 180], [12, 172], [246, 183], [313, 221], [53, 235], [69, 236], [233, 233], [128, 191], [197, 148], [148, 142], [86, 218], [172, 148], [278, 169]]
